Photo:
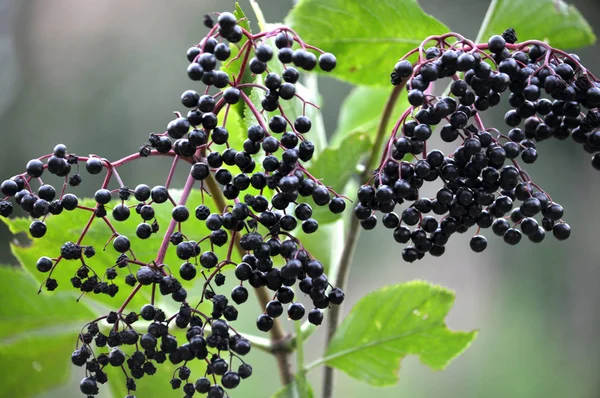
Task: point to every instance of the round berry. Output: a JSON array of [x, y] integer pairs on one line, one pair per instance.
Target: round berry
[[37, 229], [327, 62], [44, 264], [121, 244], [478, 243], [295, 311], [264, 323]]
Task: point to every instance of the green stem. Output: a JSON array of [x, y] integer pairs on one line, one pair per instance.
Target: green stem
[[486, 20], [300, 372], [341, 272]]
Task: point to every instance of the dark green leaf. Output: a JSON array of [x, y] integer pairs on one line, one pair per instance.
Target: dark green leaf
[[37, 334], [555, 21], [391, 323], [367, 36]]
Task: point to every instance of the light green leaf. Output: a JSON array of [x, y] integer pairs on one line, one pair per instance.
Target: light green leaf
[[361, 111], [235, 125], [367, 36], [335, 167], [37, 334], [68, 226], [391, 323], [299, 388], [233, 67], [563, 25], [24, 311], [337, 164]]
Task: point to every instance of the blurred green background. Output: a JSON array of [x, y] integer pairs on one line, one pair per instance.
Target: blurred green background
[[100, 76]]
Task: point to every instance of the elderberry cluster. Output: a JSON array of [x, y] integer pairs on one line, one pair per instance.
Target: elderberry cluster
[[551, 95], [254, 188]]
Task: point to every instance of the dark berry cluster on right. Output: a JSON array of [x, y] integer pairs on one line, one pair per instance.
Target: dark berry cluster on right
[[552, 95]]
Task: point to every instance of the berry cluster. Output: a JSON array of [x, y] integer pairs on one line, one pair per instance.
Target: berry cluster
[[483, 185], [256, 183]]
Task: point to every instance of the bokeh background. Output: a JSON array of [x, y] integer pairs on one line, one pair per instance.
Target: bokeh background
[[101, 75]]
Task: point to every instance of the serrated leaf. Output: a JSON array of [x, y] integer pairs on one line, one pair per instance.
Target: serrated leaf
[[299, 388], [366, 36], [563, 25], [391, 323], [37, 335]]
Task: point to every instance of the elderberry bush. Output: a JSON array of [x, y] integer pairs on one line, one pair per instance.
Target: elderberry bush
[[484, 184], [259, 186]]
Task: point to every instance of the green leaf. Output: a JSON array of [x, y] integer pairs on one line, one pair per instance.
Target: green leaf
[[335, 167], [361, 111], [299, 388], [37, 334], [337, 164], [24, 311], [233, 67], [367, 36], [391, 323], [235, 126], [68, 226], [563, 25]]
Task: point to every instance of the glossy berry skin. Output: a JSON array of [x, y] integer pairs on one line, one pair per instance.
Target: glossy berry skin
[[159, 194], [327, 62], [37, 229], [121, 244], [88, 386], [35, 168], [274, 309], [315, 316], [230, 380], [478, 243], [296, 311], [148, 312], [44, 264], [180, 213], [264, 323]]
